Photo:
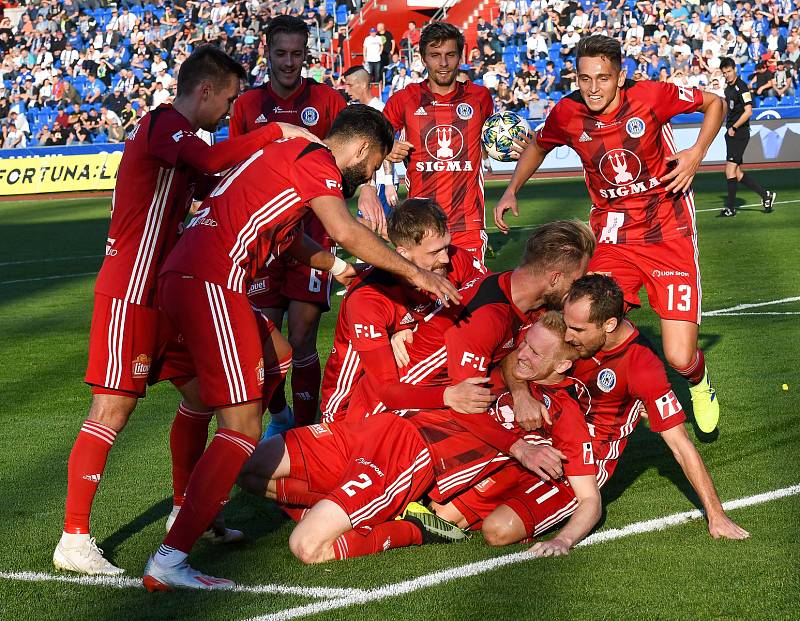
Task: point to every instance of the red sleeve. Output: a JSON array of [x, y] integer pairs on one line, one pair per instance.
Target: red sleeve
[[236, 126], [647, 380], [314, 173], [571, 436], [369, 313], [393, 110], [464, 268], [485, 428], [382, 380], [668, 99], [471, 344], [550, 135]]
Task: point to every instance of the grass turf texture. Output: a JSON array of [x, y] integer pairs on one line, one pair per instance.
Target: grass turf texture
[[675, 574]]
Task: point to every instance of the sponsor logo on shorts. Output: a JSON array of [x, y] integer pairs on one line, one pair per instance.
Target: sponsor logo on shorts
[[588, 456], [668, 405], [110, 250], [484, 485], [606, 380], [320, 429], [260, 371], [258, 285], [662, 273], [369, 464], [141, 365], [309, 116], [635, 127]]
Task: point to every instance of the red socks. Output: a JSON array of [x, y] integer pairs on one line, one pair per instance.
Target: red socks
[[696, 370], [274, 382], [187, 441], [306, 379], [209, 485], [364, 540], [87, 461]]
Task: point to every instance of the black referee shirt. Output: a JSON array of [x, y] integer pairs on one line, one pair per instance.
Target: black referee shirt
[[737, 96]]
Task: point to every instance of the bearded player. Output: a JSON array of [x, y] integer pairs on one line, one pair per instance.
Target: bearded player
[[642, 203], [442, 120], [163, 167], [286, 287]]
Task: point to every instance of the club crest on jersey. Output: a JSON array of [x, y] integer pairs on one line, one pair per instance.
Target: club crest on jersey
[[546, 401], [309, 116], [141, 365], [620, 167], [606, 380], [635, 127], [464, 111]]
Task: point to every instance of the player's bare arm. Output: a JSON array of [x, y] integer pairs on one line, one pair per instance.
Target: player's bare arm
[[528, 412], [685, 452], [359, 241], [308, 252], [529, 163], [748, 112], [689, 160], [580, 523]]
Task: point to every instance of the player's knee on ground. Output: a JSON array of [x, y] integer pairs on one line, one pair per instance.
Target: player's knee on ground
[[307, 546], [503, 527]]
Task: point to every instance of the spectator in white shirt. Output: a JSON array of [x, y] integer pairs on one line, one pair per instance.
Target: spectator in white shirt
[[537, 44], [373, 48], [14, 139], [160, 95], [719, 9], [570, 38], [634, 30], [580, 20], [401, 80]]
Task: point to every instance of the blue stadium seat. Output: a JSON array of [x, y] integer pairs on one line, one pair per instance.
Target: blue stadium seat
[[769, 102], [341, 14], [756, 101], [556, 95]]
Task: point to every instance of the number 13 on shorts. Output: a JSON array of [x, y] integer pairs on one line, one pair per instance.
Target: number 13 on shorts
[[679, 297]]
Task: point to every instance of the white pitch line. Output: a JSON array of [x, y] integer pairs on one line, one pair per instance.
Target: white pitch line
[[750, 205], [59, 277], [124, 582], [757, 313], [739, 307], [32, 261], [474, 569]]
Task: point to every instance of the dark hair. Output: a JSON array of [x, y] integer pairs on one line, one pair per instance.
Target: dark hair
[[413, 219], [599, 45], [208, 62], [727, 62], [563, 243], [606, 300], [436, 33], [285, 24], [360, 121]]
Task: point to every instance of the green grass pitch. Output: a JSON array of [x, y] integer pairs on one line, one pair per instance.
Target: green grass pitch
[[49, 250]]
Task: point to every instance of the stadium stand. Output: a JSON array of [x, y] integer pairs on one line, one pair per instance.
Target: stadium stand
[[76, 72]]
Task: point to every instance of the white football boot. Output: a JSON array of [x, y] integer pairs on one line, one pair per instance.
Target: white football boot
[[83, 556], [160, 578]]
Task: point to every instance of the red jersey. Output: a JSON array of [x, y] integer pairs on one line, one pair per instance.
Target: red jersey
[[446, 161], [624, 159], [152, 196], [376, 306], [312, 105], [253, 212], [620, 381]]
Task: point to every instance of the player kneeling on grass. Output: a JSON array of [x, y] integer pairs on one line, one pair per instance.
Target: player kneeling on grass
[[514, 503]]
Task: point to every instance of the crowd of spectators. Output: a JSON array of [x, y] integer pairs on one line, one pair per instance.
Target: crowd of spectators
[[84, 71]]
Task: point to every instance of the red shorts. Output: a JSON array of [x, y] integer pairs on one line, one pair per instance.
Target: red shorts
[[285, 279], [474, 242], [222, 334], [130, 347], [539, 504], [372, 469], [668, 270]]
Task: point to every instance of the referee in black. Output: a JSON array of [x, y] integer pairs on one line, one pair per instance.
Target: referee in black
[[740, 108]]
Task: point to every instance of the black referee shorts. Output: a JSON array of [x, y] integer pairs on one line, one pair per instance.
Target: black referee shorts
[[735, 145]]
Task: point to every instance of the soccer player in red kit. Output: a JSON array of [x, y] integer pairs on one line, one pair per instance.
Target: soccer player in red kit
[[515, 503], [253, 213], [452, 345], [642, 203], [377, 305], [442, 120], [163, 167], [286, 287], [624, 375]]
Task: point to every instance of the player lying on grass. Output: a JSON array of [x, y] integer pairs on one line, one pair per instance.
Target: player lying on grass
[[251, 214], [453, 345], [624, 375], [163, 167], [358, 476], [377, 305]]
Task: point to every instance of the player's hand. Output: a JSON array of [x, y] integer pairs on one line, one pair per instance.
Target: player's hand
[[347, 276], [391, 194], [731, 132], [469, 396], [506, 202], [372, 215], [554, 547], [399, 340], [293, 131], [689, 161], [438, 286], [518, 145], [400, 151], [543, 460], [529, 413], [725, 528]]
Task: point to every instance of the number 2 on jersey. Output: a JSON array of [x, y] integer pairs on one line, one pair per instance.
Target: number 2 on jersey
[[684, 297]]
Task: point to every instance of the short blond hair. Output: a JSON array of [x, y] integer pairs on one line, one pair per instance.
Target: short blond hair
[[554, 322], [562, 244]]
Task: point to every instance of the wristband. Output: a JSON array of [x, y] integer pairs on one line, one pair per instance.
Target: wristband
[[339, 267]]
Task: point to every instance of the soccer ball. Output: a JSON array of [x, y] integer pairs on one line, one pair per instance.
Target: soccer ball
[[499, 132]]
